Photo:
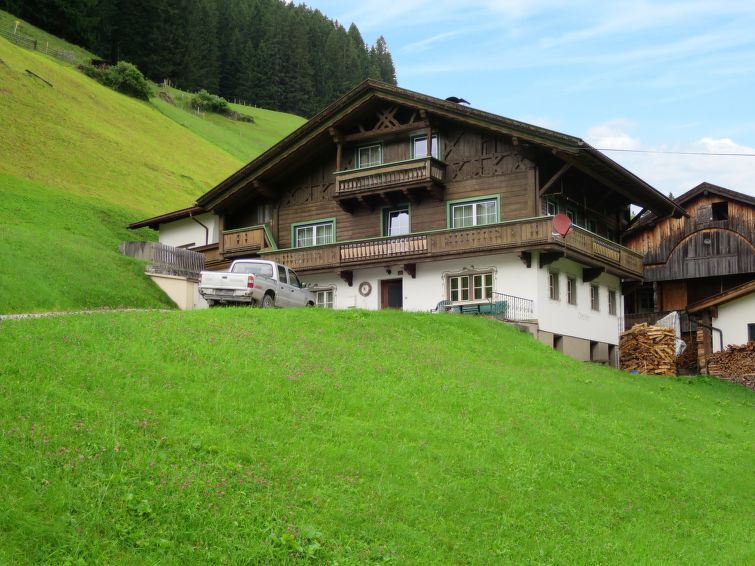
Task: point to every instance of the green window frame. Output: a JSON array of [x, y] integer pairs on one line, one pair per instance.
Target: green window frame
[[396, 220], [317, 233], [369, 155], [419, 146], [466, 213]]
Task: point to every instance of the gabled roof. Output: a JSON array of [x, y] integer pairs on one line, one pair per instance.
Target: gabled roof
[[730, 295], [703, 189], [155, 221], [571, 149]]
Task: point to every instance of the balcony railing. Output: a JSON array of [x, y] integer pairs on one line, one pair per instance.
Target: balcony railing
[[243, 240], [415, 171], [520, 235]]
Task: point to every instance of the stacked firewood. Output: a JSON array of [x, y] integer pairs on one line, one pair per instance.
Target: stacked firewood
[[648, 349], [736, 363]]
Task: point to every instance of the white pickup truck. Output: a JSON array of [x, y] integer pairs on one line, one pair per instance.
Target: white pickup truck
[[257, 282]]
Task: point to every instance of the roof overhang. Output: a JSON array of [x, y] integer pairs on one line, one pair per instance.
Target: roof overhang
[[155, 221]]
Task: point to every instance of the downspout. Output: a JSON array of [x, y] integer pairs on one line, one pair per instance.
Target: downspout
[[206, 230]]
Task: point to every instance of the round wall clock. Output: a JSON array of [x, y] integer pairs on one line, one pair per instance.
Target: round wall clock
[[365, 288]]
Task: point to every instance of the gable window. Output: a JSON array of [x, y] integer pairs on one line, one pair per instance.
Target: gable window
[[325, 298], [612, 303], [595, 297], [553, 285], [419, 146], [315, 234], [369, 155], [470, 287], [396, 221], [571, 290], [474, 213], [720, 210]]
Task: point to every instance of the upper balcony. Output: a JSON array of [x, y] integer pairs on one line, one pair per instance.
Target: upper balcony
[[522, 236], [390, 183]]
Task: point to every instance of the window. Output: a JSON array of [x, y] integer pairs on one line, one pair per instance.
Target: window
[[396, 221], [592, 225], [551, 209], [314, 234], [293, 279], [262, 213], [470, 287], [553, 286], [612, 303], [325, 298], [282, 277], [419, 146], [369, 155], [571, 290], [720, 210], [595, 297], [474, 213], [751, 332]]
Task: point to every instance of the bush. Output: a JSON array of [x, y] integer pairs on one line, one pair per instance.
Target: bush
[[207, 102], [123, 77]]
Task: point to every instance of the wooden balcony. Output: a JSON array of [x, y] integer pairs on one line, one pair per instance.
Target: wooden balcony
[[245, 240], [534, 234], [391, 183]]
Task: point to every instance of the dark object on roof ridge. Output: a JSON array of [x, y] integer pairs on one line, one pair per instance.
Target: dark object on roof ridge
[[457, 100]]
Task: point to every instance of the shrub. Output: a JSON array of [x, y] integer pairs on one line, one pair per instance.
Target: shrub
[[207, 102], [123, 77]]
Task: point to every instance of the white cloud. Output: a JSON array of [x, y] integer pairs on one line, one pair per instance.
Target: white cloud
[[679, 167]]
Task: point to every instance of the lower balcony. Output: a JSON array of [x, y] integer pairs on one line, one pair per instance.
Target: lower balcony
[[245, 240], [522, 236]]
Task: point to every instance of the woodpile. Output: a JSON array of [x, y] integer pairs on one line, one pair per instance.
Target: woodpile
[[736, 363], [648, 349]]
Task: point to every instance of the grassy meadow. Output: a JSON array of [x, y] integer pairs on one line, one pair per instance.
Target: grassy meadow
[[79, 162], [307, 436]]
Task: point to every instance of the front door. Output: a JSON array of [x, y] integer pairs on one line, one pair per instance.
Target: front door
[[391, 294]]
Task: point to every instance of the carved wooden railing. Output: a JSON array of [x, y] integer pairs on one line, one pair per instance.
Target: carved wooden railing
[[391, 174], [378, 249], [518, 235], [251, 239]]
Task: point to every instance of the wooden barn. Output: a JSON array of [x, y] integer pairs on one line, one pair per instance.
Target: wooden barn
[[705, 258]]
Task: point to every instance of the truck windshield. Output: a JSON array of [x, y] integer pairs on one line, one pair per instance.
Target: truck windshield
[[263, 269]]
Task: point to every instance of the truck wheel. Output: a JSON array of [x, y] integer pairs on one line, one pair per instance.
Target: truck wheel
[[267, 302]]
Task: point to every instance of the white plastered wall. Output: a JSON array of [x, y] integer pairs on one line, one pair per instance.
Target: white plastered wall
[[188, 232], [733, 318], [510, 276], [579, 321]]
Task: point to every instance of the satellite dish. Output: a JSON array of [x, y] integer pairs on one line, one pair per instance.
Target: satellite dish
[[562, 224]]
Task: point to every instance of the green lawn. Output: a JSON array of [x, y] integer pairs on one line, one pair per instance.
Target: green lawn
[[245, 436]]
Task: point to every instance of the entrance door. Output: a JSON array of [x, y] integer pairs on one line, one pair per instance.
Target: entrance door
[[391, 294]]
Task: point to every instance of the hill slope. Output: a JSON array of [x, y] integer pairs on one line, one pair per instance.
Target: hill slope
[[77, 150], [361, 437]]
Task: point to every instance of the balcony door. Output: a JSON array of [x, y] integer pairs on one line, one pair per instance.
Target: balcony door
[[392, 294]]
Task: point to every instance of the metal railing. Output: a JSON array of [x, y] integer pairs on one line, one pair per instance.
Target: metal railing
[[510, 307]]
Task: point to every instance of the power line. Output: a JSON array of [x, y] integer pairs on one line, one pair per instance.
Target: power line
[[677, 152]]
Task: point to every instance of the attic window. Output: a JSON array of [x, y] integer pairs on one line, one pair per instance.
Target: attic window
[[720, 210]]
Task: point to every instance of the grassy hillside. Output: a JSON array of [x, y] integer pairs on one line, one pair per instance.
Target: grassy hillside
[[8, 24], [238, 436], [77, 150]]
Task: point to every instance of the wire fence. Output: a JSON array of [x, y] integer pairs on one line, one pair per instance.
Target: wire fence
[[44, 47]]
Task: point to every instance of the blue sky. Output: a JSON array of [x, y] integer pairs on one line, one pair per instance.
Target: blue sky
[[649, 76]]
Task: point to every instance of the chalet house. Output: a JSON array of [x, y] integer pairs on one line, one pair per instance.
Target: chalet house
[[702, 264], [390, 198]]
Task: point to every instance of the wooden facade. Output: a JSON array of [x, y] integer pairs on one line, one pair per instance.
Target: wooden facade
[[699, 255], [430, 155]]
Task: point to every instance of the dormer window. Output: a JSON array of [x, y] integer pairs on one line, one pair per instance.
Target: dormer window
[[419, 146], [369, 156]]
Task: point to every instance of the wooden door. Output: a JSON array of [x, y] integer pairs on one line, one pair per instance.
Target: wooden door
[[391, 294]]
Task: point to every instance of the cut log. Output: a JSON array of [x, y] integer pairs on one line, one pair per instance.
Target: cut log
[[648, 349]]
